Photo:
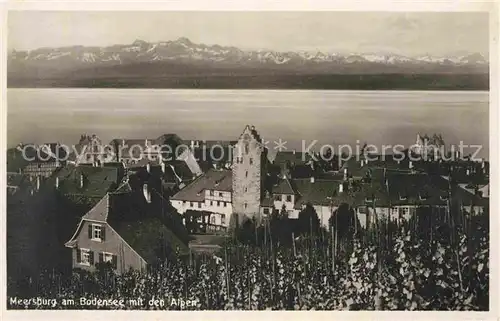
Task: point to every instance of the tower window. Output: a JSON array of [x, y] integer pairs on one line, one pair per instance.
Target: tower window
[[245, 205], [246, 174], [246, 148], [251, 161]]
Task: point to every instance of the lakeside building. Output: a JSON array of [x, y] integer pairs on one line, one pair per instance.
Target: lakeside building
[[374, 187]]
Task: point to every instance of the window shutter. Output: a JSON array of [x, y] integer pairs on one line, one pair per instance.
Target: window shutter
[[91, 255], [90, 231], [103, 233], [78, 256], [101, 258], [115, 261]]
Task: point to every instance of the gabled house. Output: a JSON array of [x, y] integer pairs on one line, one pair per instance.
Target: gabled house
[[118, 230]]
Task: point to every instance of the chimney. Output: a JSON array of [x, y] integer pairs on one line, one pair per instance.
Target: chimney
[[341, 187], [57, 182], [148, 167], [146, 192], [38, 183], [81, 180], [312, 179], [345, 174], [163, 167]]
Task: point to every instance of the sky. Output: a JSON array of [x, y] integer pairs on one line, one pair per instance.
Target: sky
[[432, 33]]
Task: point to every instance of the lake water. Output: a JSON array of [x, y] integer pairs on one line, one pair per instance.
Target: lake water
[[331, 117]]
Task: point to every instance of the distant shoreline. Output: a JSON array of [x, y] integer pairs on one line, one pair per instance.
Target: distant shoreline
[[397, 82]]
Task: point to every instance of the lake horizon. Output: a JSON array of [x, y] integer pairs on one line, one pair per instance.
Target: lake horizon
[[336, 117]]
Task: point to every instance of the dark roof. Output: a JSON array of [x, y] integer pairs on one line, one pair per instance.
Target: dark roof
[[145, 234], [295, 158], [319, 192], [283, 187], [97, 181], [15, 179], [414, 189], [220, 180], [131, 218]]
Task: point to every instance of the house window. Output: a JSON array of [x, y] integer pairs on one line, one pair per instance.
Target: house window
[[96, 232], [245, 205], [221, 195], [404, 211], [218, 203], [251, 161], [225, 204], [183, 202], [199, 205], [266, 210], [211, 203], [277, 197], [246, 189], [106, 257], [212, 220], [283, 197], [223, 219], [211, 193], [289, 198], [191, 204], [85, 257]]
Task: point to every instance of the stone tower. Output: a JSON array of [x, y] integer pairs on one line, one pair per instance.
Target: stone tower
[[248, 172]]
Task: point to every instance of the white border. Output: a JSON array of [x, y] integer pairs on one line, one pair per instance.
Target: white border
[[263, 5]]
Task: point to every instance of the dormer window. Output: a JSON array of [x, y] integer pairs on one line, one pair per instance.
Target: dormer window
[[444, 197], [289, 198], [402, 197], [211, 193], [423, 197]]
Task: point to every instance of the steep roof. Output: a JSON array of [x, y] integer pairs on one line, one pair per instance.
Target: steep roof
[[319, 192], [294, 157], [144, 236], [97, 181], [284, 186], [131, 218], [220, 180]]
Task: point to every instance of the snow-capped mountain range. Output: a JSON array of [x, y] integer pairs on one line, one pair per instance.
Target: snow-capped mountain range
[[184, 50]]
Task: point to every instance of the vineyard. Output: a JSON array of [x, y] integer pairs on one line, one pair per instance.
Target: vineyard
[[441, 269]]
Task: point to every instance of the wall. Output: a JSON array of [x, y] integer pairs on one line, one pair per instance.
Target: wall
[[113, 243], [247, 176]]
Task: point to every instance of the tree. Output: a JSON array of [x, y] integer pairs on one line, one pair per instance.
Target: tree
[[308, 222], [343, 220]]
